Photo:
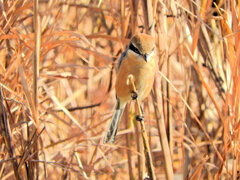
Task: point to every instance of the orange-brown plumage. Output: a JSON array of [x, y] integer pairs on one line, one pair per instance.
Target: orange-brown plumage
[[138, 60], [143, 73]]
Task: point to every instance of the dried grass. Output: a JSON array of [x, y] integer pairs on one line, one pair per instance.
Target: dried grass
[[57, 89]]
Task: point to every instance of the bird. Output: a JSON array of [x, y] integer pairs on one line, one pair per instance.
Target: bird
[[137, 60]]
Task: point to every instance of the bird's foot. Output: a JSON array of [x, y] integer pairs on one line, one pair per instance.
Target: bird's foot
[[140, 118], [134, 95]]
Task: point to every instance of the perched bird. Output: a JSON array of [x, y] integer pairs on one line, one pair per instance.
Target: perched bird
[[138, 60]]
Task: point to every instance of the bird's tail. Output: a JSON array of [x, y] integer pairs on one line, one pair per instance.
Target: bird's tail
[[113, 127]]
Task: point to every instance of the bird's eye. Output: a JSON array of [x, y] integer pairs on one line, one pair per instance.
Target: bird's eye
[[134, 49]]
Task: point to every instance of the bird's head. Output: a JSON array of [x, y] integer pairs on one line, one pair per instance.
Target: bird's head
[[142, 45]]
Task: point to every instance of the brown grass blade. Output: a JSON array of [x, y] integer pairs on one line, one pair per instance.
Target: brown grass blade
[[6, 133]]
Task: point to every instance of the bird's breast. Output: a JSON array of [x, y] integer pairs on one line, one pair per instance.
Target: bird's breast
[[143, 73]]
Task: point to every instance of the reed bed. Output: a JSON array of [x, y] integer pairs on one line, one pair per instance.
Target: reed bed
[[57, 74]]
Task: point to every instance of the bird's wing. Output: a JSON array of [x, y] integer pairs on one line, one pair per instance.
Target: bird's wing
[[121, 59]]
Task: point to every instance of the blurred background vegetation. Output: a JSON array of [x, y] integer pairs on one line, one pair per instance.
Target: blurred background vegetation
[[57, 75]]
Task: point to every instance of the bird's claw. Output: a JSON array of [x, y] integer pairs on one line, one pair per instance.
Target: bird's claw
[[140, 118], [134, 95]]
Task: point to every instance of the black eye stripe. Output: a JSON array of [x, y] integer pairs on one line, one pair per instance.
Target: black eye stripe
[[134, 49]]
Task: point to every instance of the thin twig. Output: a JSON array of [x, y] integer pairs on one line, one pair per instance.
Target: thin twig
[[128, 144], [6, 133], [162, 130], [81, 107], [80, 166], [147, 153]]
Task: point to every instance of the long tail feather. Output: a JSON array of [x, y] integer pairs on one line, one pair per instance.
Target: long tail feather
[[113, 127]]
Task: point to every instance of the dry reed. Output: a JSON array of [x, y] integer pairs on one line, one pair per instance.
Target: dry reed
[[57, 74]]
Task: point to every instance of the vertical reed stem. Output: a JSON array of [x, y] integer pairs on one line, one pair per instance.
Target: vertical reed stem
[[147, 153]]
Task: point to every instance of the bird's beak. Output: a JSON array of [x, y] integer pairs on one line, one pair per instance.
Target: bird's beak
[[145, 57]]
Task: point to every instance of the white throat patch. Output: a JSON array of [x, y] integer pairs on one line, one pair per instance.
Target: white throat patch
[[149, 56]]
